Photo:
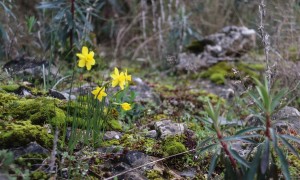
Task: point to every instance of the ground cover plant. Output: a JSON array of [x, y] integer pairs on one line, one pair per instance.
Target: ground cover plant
[[149, 89]]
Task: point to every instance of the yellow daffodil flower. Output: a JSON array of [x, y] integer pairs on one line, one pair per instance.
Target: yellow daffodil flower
[[126, 106], [86, 58], [127, 77], [118, 79], [99, 93]]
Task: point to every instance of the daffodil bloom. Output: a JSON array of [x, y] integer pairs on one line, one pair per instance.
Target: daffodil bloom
[[99, 93], [126, 106], [118, 79], [127, 77], [86, 58]]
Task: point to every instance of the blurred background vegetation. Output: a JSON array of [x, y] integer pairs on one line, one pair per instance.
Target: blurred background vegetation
[[136, 30]]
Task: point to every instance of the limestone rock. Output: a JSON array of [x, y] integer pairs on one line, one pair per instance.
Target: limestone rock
[[227, 45], [167, 128]]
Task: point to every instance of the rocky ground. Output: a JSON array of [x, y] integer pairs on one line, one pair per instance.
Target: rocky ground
[[158, 138]]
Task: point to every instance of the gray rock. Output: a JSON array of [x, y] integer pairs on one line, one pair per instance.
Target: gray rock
[[189, 173], [167, 128], [32, 147], [28, 68], [134, 175], [286, 113], [136, 158], [109, 135], [144, 93], [151, 134], [227, 45]]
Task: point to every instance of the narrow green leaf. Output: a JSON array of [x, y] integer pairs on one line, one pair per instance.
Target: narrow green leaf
[[257, 101], [277, 98], [291, 138], [241, 138], [212, 165], [289, 146], [254, 165], [249, 130], [265, 157], [202, 150], [205, 141], [239, 158], [283, 163]]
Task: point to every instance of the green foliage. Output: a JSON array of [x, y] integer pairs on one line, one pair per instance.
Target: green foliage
[[265, 145]]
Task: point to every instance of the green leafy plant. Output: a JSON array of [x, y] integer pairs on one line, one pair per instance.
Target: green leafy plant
[[267, 147]]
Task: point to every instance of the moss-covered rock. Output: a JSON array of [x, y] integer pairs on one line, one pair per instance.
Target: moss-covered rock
[[39, 111], [23, 132], [220, 71]]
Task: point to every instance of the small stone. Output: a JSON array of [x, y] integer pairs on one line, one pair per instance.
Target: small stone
[[109, 135], [167, 128], [152, 134]]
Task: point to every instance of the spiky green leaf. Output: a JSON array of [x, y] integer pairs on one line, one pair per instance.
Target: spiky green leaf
[[238, 158], [293, 138], [289, 146], [283, 163], [212, 165], [250, 129], [265, 157]]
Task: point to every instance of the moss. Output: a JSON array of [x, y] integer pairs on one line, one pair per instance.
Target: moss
[[10, 88], [39, 111], [218, 72], [294, 165], [253, 70], [21, 133], [173, 147], [154, 175], [218, 78], [6, 98], [114, 125], [31, 159], [110, 143], [39, 175]]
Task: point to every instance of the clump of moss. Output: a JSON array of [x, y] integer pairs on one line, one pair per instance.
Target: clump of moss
[[23, 132], [154, 175], [31, 160], [218, 72], [10, 87], [39, 111], [172, 146], [110, 143], [6, 98], [253, 70], [114, 125], [39, 175]]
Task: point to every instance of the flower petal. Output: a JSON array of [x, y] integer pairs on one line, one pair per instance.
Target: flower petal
[[81, 63], [85, 51]]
